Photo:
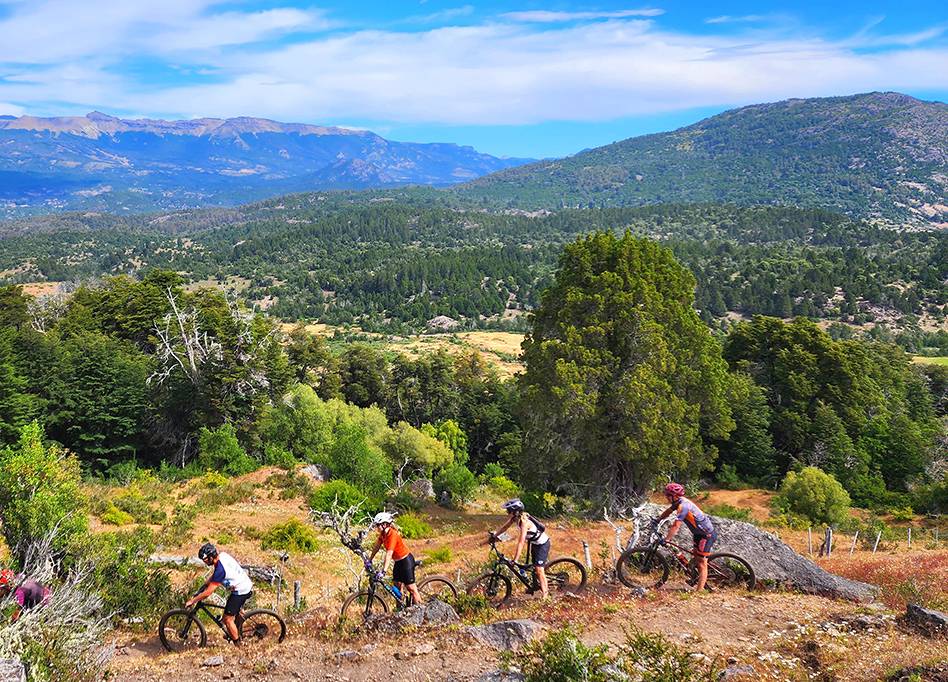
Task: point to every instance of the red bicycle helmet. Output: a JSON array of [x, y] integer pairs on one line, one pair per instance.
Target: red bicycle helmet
[[676, 490]]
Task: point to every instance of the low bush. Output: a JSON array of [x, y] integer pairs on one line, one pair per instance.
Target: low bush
[[728, 511], [651, 657], [455, 483], [503, 486], [473, 608], [441, 555], [274, 455], [290, 484], [413, 527], [902, 513], [131, 587], [561, 657], [728, 478], [230, 493], [815, 495], [543, 504], [178, 529], [210, 480], [292, 536], [133, 503], [492, 470], [114, 516], [219, 450], [337, 493]]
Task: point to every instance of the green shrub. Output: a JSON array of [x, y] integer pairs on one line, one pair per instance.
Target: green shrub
[[473, 608], [542, 504], [492, 470], [114, 516], [561, 657], [290, 485], [292, 536], [210, 480], [355, 459], [225, 538], [404, 501], [178, 529], [274, 455], [727, 511], [503, 486], [337, 493], [902, 513], [219, 450], [231, 493], [413, 527], [442, 555], [651, 657], [122, 473], [728, 478], [457, 483], [39, 492], [135, 505], [130, 586], [814, 495]]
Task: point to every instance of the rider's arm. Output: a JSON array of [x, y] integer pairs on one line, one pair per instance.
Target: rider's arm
[[378, 545], [521, 541], [665, 514], [388, 558], [202, 595], [672, 529], [504, 527]]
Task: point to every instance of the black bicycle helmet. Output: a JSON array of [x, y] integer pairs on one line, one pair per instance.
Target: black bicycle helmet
[[207, 551]]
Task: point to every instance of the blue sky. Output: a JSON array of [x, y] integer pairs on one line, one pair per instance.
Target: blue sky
[[518, 79]]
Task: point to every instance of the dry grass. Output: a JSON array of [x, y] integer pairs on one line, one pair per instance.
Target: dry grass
[[919, 577]]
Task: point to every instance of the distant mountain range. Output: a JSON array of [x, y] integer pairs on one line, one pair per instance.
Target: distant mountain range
[[876, 155], [106, 163]]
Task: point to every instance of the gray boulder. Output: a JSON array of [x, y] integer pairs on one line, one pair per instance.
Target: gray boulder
[[774, 562], [314, 472], [506, 635], [439, 613], [12, 670], [422, 489], [433, 613], [928, 620], [501, 676]]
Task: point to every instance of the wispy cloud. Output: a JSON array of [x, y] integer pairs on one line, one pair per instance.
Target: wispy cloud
[[576, 66], [445, 15], [549, 17], [743, 19]]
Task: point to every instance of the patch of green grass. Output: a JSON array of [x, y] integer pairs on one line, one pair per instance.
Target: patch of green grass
[[413, 527], [292, 536], [729, 511], [442, 555], [935, 360]]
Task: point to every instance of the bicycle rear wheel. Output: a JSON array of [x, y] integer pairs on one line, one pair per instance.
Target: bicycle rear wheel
[[494, 587], [262, 626], [181, 631], [358, 607], [437, 587], [566, 575], [729, 570], [642, 568]]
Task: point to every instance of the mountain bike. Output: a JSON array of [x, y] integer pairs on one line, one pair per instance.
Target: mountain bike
[[363, 604], [182, 630], [648, 566], [563, 575]]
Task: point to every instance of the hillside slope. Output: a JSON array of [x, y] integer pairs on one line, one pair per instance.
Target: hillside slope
[[882, 155], [102, 162]]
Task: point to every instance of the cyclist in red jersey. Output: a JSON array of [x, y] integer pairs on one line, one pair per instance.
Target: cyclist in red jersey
[[699, 523]]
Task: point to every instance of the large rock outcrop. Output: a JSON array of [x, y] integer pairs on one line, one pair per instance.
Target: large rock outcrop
[[775, 562]]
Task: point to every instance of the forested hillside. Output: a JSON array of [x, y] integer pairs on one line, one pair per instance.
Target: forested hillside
[[876, 155], [390, 262]]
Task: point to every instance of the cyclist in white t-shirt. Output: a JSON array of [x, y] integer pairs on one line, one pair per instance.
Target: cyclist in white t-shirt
[[231, 576]]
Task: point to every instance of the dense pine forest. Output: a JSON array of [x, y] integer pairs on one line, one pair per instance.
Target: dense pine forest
[[385, 262]]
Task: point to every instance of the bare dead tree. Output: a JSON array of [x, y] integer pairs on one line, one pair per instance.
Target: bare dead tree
[[69, 628], [46, 311]]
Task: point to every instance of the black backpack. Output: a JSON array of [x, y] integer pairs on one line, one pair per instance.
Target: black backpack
[[536, 522]]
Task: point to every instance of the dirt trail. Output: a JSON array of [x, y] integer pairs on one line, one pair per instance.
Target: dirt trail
[[766, 630]]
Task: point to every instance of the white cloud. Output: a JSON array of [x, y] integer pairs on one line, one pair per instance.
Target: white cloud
[[442, 16], [496, 72], [545, 16], [729, 19], [7, 109]]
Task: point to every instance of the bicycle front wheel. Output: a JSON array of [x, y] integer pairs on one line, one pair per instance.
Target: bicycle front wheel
[[262, 626], [566, 575], [181, 631], [642, 568], [494, 587], [729, 570], [359, 607], [437, 587]]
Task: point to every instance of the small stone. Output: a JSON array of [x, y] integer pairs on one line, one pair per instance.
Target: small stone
[[347, 655], [213, 662], [423, 649], [368, 648]]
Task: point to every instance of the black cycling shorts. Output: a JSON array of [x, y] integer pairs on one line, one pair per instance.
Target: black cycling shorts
[[235, 602], [404, 571], [540, 554], [703, 544]]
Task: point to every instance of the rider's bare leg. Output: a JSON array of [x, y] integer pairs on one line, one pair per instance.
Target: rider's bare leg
[[702, 573], [413, 591], [541, 578], [231, 628]]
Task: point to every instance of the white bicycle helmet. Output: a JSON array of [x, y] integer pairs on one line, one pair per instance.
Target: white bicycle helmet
[[383, 517], [514, 505]]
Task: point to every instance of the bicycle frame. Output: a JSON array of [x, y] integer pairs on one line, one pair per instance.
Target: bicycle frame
[[513, 567], [204, 607]]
